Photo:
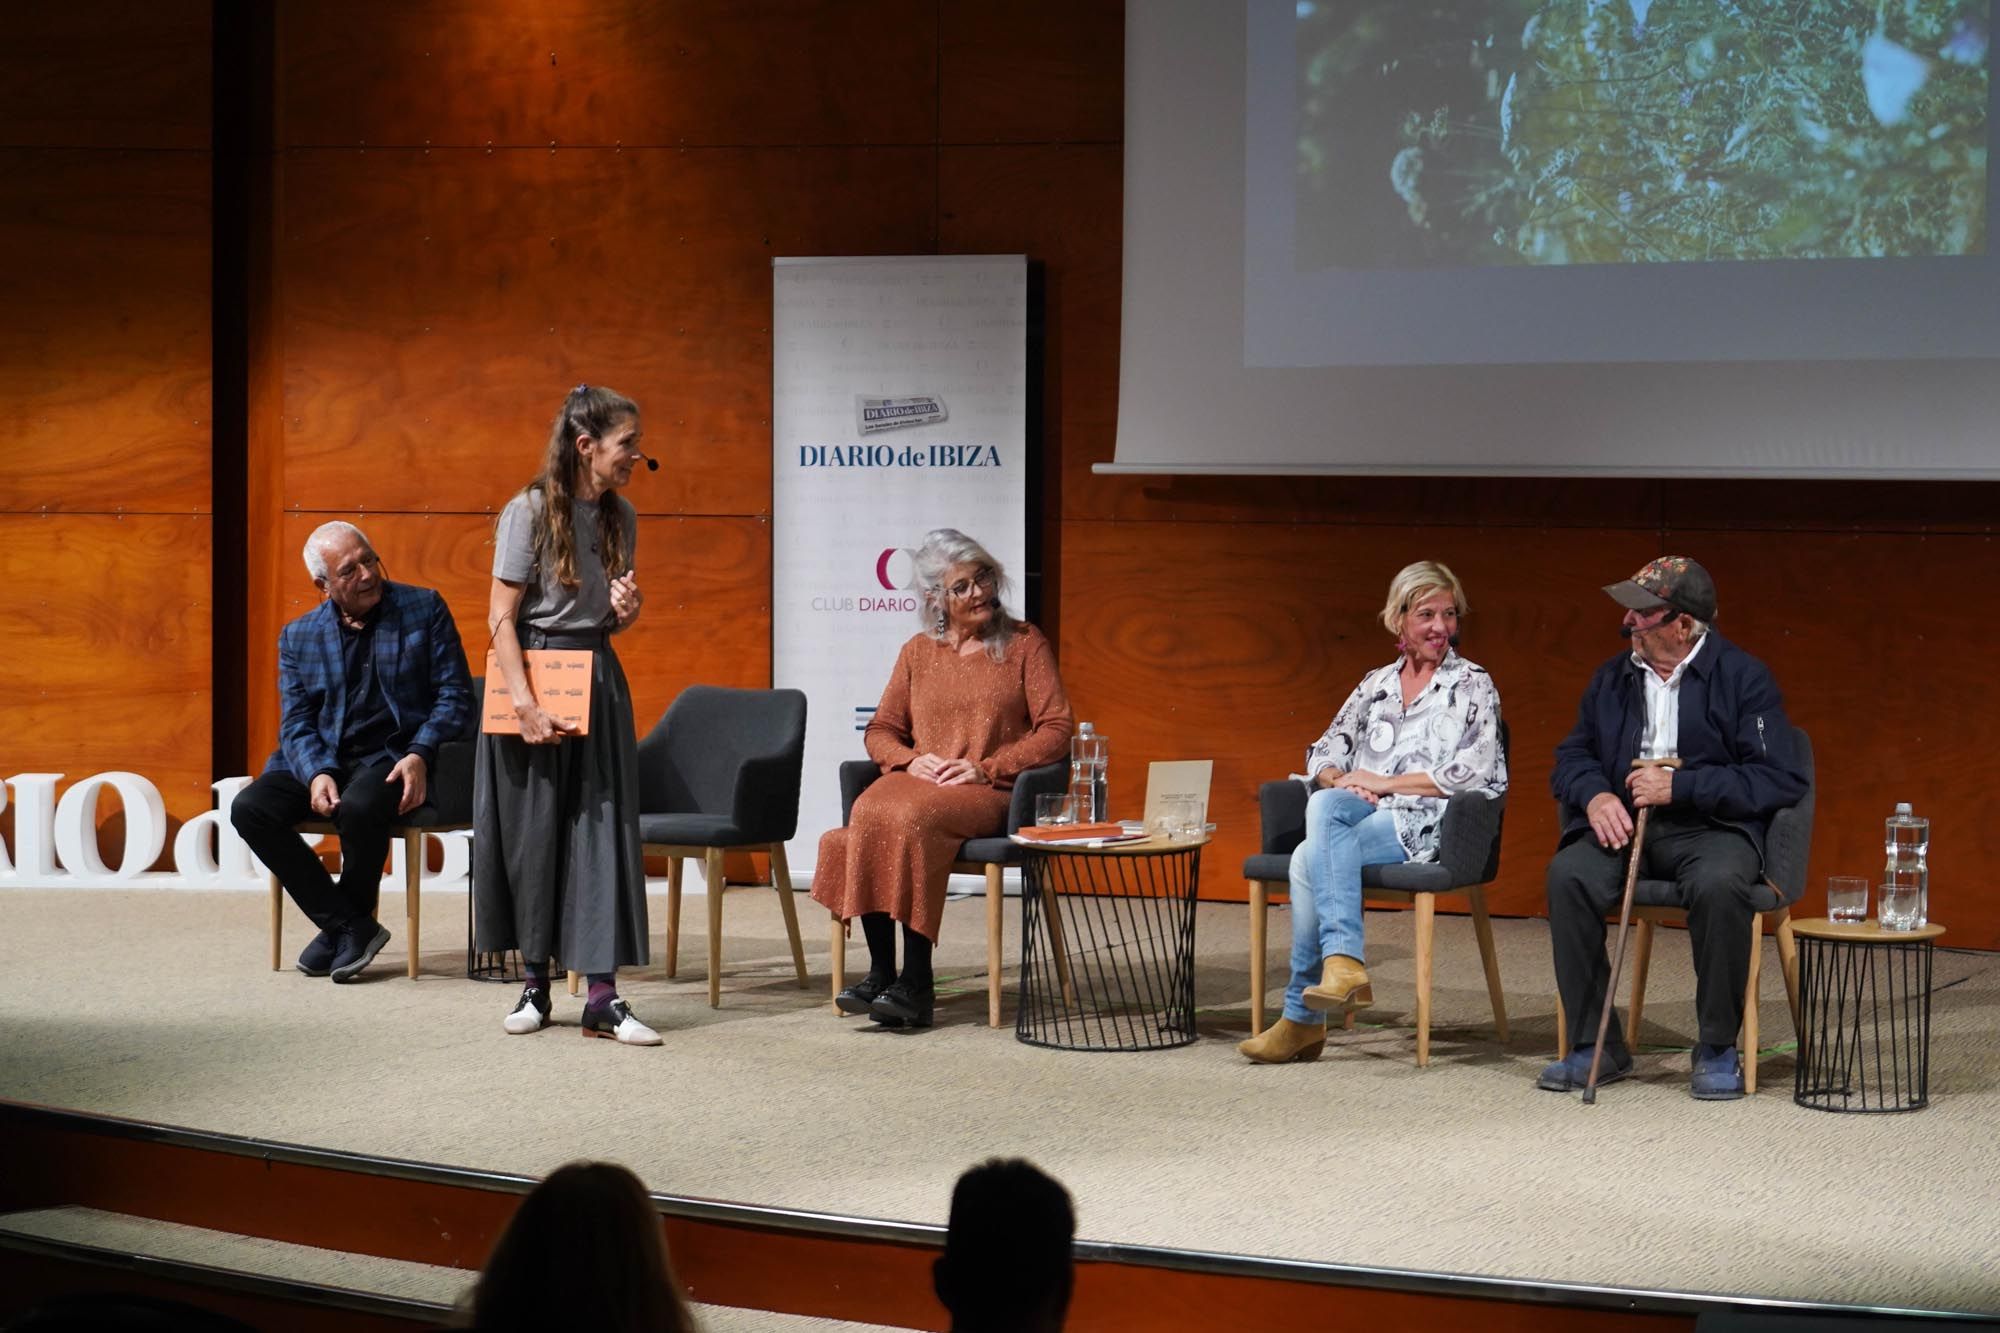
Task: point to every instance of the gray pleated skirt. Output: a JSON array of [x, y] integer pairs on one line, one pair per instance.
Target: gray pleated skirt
[[557, 870]]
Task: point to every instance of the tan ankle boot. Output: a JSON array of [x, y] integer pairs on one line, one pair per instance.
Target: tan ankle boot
[[1342, 985], [1285, 1041]]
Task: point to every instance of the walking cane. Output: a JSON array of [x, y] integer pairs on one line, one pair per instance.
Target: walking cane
[[1624, 923]]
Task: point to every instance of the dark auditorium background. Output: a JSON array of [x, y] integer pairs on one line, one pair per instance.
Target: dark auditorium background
[[266, 264]]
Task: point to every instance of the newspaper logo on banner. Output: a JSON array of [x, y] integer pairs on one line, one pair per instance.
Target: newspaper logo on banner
[[874, 415]]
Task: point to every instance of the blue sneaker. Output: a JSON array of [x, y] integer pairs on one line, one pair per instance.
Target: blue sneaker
[[1718, 1074], [1572, 1073]]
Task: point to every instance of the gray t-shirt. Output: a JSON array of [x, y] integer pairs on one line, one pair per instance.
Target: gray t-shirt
[[545, 603]]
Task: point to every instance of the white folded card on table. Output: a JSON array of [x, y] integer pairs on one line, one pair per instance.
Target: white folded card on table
[[1177, 780]]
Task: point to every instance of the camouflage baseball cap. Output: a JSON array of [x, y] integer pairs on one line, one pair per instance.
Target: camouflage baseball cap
[[1671, 580]]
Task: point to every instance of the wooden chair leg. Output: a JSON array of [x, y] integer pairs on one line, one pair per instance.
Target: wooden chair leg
[[1489, 958], [1562, 1029], [716, 881], [1056, 944], [996, 898], [1788, 960], [1642, 959], [837, 951], [413, 884], [575, 983], [277, 921], [1748, 1040], [1426, 905], [673, 916], [1260, 903], [781, 877]]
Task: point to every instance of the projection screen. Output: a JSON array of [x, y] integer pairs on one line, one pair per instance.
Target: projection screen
[[1559, 237]]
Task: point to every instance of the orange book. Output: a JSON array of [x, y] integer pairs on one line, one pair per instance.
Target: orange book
[[560, 679], [1068, 832]]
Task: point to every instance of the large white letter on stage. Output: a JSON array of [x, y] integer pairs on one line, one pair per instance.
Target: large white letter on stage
[[900, 395]]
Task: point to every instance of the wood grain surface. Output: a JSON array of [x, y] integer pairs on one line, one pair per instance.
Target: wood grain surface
[[104, 330], [107, 74], [473, 72], [1033, 71], [438, 305], [107, 622]]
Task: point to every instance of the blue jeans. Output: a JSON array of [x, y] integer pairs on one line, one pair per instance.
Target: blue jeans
[[1343, 834]]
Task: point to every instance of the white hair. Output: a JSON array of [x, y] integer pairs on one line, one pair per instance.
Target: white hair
[[326, 532], [943, 550]]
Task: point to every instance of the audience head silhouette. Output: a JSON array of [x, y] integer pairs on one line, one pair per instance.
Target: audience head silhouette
[[584, 1250], [1006, 1266]]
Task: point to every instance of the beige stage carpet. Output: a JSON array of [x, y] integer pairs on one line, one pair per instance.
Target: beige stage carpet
[[159, 1005]]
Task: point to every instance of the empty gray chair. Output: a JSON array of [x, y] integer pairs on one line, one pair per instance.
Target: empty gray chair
[[720, 773]]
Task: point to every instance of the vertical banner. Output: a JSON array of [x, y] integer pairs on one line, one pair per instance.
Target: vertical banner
[[899, 392]]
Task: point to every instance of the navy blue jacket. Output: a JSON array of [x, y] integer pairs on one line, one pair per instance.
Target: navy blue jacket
[[419, 664], [1739, 762]]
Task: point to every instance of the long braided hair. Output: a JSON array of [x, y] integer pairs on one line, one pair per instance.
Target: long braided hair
[[595, 411]]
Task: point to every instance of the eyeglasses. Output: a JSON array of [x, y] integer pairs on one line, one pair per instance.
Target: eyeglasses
[[963, 589], [351, 570]]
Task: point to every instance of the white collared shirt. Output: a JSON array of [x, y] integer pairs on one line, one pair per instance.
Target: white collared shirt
[[1661, 738]]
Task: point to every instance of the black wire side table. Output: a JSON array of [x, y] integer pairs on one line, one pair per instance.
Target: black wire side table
[[1107, 946], [1864, 1017]]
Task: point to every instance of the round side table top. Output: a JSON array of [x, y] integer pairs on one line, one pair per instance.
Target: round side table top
[[1862, 932], [1147, 846]]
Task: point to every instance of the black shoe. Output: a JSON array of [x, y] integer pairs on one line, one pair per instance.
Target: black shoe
[[615, 1022], [358, 946], [857, 998], [316, 960], [530, 1012], [905, 1004]]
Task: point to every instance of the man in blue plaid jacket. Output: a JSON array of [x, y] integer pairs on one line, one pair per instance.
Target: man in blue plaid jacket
[[373, 681]]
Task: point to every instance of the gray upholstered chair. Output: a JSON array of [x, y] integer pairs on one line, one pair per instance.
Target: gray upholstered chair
[[1468, 860], [448, 809], [720, 773], [1656, 902], [988, 856]]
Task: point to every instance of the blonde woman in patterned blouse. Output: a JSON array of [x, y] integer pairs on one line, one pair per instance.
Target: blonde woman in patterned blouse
[[1414, 733], [973, 702]]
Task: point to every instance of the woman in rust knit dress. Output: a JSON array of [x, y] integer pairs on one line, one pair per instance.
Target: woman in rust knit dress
[[974, 701]]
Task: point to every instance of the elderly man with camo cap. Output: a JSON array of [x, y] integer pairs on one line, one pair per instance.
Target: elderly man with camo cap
[[1679, 690]]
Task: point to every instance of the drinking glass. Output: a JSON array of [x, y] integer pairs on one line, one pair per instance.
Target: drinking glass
[[1846, 898], [1896, 906], [1053, 809]]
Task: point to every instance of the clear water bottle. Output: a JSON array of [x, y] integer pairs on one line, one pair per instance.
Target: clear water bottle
[[1907, 843], [1088, 751]]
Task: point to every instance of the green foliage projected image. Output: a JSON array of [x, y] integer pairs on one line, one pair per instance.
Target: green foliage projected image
[[1447, 133]]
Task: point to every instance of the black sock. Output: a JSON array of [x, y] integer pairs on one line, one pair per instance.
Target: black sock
[[880, 932], [536, 975], [916, 960]]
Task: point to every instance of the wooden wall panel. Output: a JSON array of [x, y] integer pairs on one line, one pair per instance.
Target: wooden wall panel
[[104, 330], [707, 583], [1034, 71], [107, 74], [438, 305], [441, 72], [108, 624]]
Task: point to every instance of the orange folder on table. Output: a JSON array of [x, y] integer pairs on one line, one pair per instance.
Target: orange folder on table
[[560, 679]]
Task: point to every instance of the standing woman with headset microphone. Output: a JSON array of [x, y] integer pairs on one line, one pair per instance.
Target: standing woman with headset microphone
[[556, 851]]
